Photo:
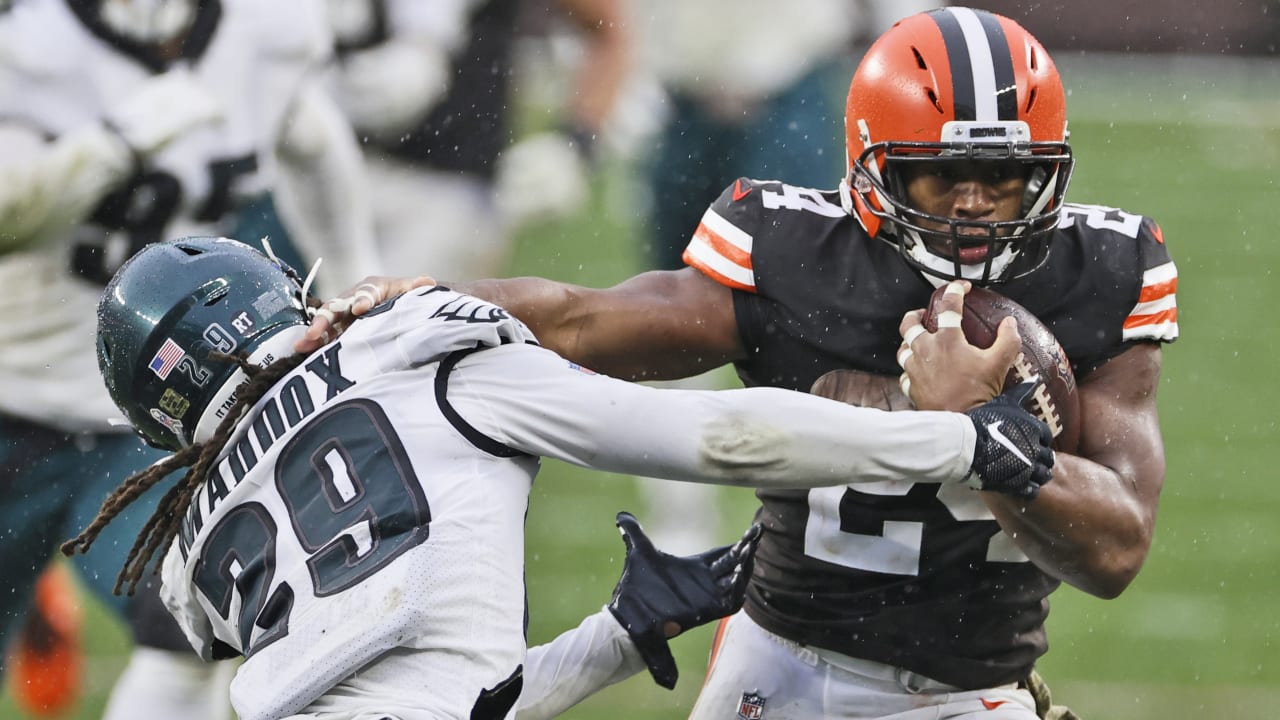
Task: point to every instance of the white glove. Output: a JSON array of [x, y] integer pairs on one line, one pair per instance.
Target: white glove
[[388, 88], [541, 177], [162, 109]]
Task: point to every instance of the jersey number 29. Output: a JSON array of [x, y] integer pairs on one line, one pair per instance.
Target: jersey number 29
[[353, 503]]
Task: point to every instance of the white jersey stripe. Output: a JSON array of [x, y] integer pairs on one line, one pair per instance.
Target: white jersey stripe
[[984, 74], [1159, 274], [1168, 302], [706, 255], [1165, 331], [1155, 315]]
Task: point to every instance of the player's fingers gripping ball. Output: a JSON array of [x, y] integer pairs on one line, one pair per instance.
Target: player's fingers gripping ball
[[911, 328], [946, 368], [952, 303], [1000, 344], [914, 329]]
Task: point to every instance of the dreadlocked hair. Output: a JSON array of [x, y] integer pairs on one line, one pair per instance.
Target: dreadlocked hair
[[163, 526]]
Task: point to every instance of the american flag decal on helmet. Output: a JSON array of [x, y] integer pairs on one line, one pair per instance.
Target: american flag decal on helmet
[[166, 358]]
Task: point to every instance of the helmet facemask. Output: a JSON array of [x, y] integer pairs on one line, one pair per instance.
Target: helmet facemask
[[932, 243], [968, 86]]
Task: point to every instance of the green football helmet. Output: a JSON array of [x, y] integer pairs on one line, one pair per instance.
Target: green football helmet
[[172, 305]]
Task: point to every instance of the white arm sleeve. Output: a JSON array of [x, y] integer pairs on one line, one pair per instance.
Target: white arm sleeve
[[578, 663], [535, 401], [322, 194], [48, 186]]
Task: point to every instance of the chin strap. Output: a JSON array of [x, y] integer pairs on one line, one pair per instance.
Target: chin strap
[[846, 197], [306, 288], [917, 250]]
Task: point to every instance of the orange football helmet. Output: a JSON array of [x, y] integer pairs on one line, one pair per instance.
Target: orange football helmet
[[957, 84]]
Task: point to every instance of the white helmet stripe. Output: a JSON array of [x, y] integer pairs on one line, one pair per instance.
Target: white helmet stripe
[[984, 76], [981, 69]]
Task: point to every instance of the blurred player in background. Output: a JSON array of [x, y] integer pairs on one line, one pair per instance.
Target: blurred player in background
[[899, 599], [430, 88], [121, 122], [353, 519], [752, 88]]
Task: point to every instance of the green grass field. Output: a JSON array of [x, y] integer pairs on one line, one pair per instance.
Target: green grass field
[[1195, 145]]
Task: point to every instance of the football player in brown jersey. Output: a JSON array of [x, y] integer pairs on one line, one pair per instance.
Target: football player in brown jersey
[[899, 600]]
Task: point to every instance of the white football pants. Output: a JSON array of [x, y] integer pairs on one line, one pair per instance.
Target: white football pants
[[757, 674]]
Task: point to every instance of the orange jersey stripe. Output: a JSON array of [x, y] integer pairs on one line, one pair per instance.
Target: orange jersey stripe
[[1164, 316], [722, 247], [1158, 290]]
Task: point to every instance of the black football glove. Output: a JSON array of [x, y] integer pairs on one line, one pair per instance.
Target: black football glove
[[1013, 454], [657, 588]]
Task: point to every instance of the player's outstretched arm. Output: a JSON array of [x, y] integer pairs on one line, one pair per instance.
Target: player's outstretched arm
[[656, 325], [1014, 459], [534, 401], [658, 597]]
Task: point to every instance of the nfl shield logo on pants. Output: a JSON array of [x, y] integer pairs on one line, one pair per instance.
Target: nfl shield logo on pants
[[751, 707]]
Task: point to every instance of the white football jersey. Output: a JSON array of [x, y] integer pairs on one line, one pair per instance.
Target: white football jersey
[[372, 503], [57, 75], [352, 516]]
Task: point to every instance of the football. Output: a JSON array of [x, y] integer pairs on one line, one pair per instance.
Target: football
[[1056, 401]]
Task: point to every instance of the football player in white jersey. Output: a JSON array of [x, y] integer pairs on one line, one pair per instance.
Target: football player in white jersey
[[123, 122], [353, 519]]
